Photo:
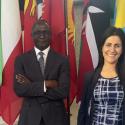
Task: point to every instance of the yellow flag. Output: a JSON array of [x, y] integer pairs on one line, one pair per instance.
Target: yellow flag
[[71, 28], [32, 12], [120, 14]]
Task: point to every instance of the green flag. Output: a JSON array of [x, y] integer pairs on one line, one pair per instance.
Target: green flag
[[0, 49]]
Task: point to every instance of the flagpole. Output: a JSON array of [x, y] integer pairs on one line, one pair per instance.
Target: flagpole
[[67, 53], [50, 14], [66, 25]]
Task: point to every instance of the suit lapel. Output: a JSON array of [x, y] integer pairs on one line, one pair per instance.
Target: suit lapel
[[49, 61], [35, 64], [94, 80]]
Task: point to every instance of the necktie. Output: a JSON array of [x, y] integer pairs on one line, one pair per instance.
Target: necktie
[[41, 62]]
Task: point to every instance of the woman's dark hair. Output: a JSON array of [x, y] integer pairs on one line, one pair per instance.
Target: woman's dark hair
[[113, 31]]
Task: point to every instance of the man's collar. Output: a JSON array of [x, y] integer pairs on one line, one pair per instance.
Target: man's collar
[[45, 51]]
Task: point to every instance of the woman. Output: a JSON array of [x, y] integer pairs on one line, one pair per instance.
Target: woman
[[103, 101]]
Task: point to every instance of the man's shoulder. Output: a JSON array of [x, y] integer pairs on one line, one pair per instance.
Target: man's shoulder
[[25, 54], [58, 55]]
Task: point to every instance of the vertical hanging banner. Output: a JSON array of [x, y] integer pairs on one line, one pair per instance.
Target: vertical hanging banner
[[71, 49], [119, 15], [97, 13], [11, 43], [30, 16], [54, 12], [1, 57]]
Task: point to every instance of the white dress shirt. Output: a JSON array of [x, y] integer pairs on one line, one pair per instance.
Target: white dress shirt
[[45, 54]]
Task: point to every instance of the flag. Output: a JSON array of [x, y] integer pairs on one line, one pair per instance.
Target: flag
[[30, 16], [53, 12], [94, 25], [1, 58], [85, 2], [30, 11], [71, 49], [11, 47], [46, 9], [39, 8], [21, 6], [119, 14], [53, 9]]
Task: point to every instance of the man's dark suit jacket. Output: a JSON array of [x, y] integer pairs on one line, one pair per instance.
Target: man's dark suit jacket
[[86, 109], [38, 104]]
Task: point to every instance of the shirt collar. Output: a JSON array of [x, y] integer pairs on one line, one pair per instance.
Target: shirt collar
[[45, 51]]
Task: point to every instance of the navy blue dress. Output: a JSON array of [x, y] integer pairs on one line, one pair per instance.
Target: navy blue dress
[[108, 98]]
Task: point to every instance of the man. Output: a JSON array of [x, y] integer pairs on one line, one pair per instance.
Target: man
[[43, 81]]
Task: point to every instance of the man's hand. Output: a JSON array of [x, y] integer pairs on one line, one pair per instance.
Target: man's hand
[[22, 79], [51, 83]]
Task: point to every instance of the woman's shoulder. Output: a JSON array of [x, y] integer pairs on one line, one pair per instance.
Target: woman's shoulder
[[88, 77], [90, 73]]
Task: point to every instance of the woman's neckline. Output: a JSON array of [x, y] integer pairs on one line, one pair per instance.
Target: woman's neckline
[[108, 77]]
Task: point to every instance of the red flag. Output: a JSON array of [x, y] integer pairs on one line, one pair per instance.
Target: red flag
[[30, 17], [11, 47], [71, 50], [98, 13], [53, 12], [85, 61], [86, 2]]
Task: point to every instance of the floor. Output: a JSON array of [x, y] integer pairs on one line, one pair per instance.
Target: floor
[[74, 112]]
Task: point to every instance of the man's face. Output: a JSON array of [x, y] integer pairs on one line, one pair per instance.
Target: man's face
[[41, 36]]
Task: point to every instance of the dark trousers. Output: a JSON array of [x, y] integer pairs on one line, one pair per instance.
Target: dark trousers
[[42, 122]]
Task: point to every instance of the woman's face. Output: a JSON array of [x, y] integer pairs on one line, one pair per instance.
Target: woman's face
[[112, 49]]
